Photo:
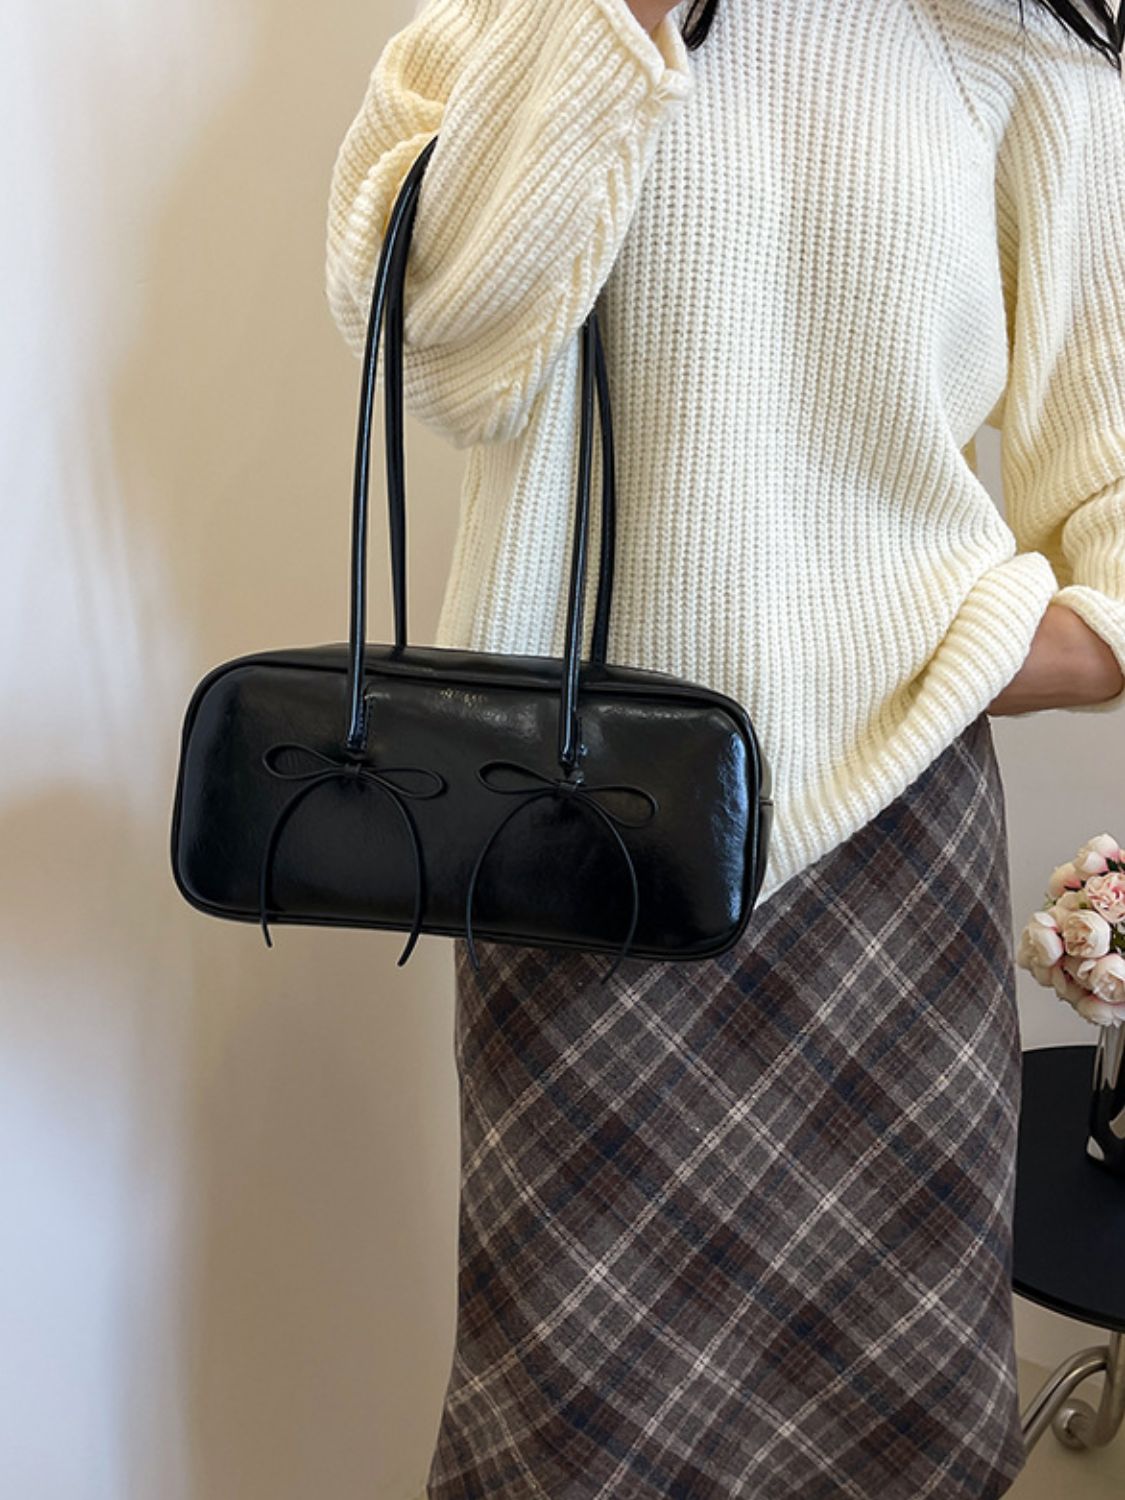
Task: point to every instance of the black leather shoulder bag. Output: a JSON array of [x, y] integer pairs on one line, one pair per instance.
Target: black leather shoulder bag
[[550, 802]]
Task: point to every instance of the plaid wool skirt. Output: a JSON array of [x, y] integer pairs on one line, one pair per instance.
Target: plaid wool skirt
[[742, 1226]]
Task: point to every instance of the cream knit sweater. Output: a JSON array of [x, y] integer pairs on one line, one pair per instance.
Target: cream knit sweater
[[826, 247]]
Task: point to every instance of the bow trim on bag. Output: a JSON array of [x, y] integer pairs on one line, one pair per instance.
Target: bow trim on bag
[[354, 770], [582, 794]]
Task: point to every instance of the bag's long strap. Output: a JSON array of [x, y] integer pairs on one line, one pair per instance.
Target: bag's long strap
[[387, 313]]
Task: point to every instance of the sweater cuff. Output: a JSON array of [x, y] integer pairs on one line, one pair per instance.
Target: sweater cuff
[[1106, 616]]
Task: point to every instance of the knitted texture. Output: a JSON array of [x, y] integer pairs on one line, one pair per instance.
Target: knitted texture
[[825, 248]]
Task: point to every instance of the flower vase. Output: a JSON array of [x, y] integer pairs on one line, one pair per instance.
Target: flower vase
[[1106, 1139]]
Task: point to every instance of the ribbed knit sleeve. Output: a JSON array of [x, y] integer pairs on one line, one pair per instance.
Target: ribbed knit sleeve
[[1061, 225], [547, 112]]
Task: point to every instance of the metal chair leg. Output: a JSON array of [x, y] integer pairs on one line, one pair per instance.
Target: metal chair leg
[[1075, 1423]]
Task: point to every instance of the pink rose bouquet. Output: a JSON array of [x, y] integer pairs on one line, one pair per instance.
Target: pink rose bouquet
[[1076, 943]]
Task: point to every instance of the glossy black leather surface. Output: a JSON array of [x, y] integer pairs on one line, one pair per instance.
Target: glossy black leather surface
[[344, 859]]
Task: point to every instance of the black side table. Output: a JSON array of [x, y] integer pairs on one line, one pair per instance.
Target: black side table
[[1069, 1242]]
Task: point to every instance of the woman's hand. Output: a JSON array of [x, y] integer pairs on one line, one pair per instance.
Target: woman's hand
[[1068, 664], [650, 13]]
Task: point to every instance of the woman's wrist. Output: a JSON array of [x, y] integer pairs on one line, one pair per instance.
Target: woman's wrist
[[1068, 665]]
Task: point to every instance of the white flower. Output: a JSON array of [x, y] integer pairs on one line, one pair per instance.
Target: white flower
[[1107, 979], [1066, 986], [1061, 876], [1078, 968], [1041, 941], [1106, 894], [1097, 1011], [1085, 934], [1092, 858]]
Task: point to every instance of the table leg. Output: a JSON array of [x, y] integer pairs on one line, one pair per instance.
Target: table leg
[[1075, 1423]]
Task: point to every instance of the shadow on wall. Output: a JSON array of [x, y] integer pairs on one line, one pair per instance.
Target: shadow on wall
[[317, 1296], [287, 1119]]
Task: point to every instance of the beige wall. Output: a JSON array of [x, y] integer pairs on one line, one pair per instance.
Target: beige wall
[[229, 1185]]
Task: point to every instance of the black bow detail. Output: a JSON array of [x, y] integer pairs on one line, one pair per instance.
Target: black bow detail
[[582, 794], [352, 769]]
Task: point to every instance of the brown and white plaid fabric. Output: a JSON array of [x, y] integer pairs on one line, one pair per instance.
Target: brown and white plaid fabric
[[742, 1227]]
